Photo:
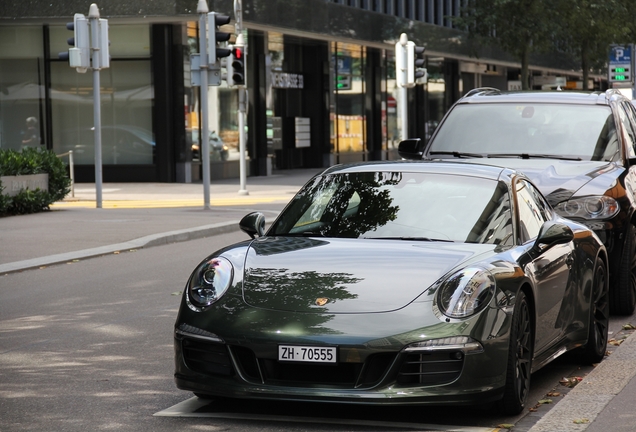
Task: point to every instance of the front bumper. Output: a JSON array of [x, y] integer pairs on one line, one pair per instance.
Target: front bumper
[[374, 375]]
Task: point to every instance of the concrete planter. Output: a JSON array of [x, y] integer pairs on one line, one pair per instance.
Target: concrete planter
[[12, 185]]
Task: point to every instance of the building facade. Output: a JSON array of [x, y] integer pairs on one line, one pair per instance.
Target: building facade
[[320, 78]]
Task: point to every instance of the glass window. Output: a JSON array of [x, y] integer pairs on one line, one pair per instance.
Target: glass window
[[436, 90], [391, 124], [349, 89], [578, 131], [533, 210], [629, 136], [22, 92], [223, 129], [631, 114], [126, 101], [396, 205], [126, 109]]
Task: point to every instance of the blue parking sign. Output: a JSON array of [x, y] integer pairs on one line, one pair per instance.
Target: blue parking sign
[[621, 54]]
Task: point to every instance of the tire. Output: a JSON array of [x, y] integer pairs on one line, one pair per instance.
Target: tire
[[203, 396], [596, 346], [623, 293], [520, 352]]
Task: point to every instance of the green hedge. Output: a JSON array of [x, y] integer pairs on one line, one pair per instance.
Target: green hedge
[[33, 161]]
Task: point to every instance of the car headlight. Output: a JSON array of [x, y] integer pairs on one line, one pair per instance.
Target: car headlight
[[210, 281], [466, 292], [591, 207]]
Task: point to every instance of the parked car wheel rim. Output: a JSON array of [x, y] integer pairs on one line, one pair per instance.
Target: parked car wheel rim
[[623, 297], [594, 349]]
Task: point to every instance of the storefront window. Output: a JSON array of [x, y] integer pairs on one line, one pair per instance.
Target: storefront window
[[274, 59], [126, 102], [222, 114], [349, 124], [391, 130], [22, 94], [436, 88], [225, 113]]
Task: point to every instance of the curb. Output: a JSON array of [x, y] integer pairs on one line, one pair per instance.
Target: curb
[[142, 242], [586, 401]]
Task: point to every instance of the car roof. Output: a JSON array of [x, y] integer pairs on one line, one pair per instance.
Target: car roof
[[468, 169], [490, 95]]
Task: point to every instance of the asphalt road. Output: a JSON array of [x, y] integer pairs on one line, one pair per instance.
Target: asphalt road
[[88, 346]]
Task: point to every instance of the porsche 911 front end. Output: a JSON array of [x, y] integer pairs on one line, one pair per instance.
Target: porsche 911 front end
[[284, 329]]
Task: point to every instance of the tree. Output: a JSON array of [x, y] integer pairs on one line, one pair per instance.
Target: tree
[[588, 27], [518, 26]]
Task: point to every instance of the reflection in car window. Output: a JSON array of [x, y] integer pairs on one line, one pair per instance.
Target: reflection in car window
[[398, 205], [567, 130], [533, 210], [627, 118]]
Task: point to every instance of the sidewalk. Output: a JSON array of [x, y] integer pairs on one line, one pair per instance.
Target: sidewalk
[[603, 401], [138, 215]]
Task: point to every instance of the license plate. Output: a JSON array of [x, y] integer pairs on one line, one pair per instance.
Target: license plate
[[309, 354]]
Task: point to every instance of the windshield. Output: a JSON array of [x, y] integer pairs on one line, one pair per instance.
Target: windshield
[[400, 205], [585, 132]]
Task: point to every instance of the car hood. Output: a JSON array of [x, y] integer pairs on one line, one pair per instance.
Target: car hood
[[347, 275], [559, 180]]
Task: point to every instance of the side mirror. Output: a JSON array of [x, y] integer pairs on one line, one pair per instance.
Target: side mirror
[[553, 233], [412, 148], [253, 224]]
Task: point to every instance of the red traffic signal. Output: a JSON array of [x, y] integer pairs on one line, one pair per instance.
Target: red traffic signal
[[236, 74]]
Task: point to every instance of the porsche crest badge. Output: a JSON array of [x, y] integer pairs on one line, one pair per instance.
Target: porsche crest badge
[[321, 301]]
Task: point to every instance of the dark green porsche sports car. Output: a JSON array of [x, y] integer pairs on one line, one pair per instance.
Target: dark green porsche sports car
[[395, 283]]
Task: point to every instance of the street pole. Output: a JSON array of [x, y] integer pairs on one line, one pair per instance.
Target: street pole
[[404, 94], [93, 16], [202, 10], [242, 96], [632, 63]]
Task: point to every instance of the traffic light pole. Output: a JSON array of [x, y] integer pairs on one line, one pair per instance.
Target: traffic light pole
[[93, 16], [204, 153], [404, 94], [242, 95], [409, 71]]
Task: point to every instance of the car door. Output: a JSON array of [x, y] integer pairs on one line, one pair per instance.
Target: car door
[[629, 124], [550, 269]]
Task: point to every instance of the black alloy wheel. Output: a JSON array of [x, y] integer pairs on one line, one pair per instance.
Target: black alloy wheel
[[623, 294], [520, 354], [594, 350]]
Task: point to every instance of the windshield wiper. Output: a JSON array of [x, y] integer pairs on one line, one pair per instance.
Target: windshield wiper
[[457, 154], [532, 156], [410, 239]]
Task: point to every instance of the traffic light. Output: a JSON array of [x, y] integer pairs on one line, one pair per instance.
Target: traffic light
[[78, 56], [415, 63], [215, 52], [620, 73], [103, 44], [236, 67]]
